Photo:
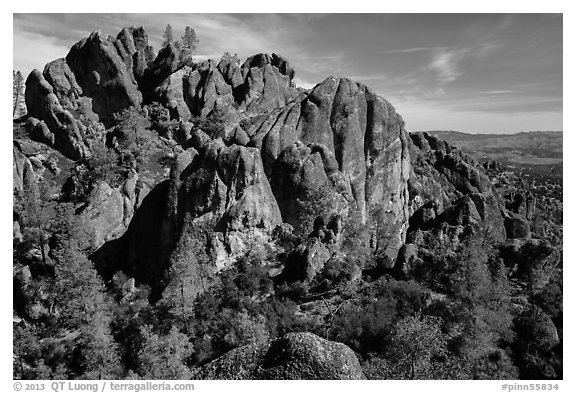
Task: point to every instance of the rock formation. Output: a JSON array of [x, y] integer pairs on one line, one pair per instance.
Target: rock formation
[[281, 156], [103, 75], [449, 196], [293, 356], [43, 104]]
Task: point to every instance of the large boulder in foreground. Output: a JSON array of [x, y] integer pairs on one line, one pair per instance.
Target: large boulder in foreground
[[293, 356]]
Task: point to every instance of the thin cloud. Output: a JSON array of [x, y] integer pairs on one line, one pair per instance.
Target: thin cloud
[[445, 64], [497, 92], [415, 50], [379, 77]]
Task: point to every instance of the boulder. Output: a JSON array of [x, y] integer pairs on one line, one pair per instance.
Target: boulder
[[406, 261], [305, 261], [531, 260], [517, 227], [294, 356]]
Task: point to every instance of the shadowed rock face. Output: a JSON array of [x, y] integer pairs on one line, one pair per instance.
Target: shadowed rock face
[[293, 356], [223, 188]]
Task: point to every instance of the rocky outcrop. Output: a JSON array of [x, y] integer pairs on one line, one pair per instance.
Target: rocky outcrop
[[132, 46], [531, 260], [268, 83], [305, 261], [521, 202], [170, 59], [451, 199], [108, 212], [23, 176], [103, 217], [39, 131], [221, 188], [293, 356], [103, 75], [35, 163], [170, 94], [206, 90], [339, 152], [227, 187], [43, 104], [407, 261], [516, 226], [62, 79], [342, 135], [262, 84]]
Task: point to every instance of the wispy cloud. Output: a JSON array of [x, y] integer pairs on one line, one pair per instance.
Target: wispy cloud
[[497, 92], [445, 63], [360, 78], [415, 50]]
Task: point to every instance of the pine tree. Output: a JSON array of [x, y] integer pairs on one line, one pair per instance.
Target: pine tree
[[164, 356], [18, 88], [168, 36], [486, 319], [190, 39]]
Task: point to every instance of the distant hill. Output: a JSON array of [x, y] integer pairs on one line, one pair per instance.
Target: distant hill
[[533, 149]]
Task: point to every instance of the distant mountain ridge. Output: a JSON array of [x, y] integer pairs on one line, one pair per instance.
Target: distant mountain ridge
[[459, 135], [533, 148]]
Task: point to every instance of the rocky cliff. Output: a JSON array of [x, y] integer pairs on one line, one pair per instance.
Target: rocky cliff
[[280, 150]]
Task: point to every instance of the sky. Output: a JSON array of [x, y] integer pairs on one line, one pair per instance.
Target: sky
[[477, 73]]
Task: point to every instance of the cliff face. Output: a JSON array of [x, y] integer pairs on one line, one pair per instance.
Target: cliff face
[[338, 147]]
